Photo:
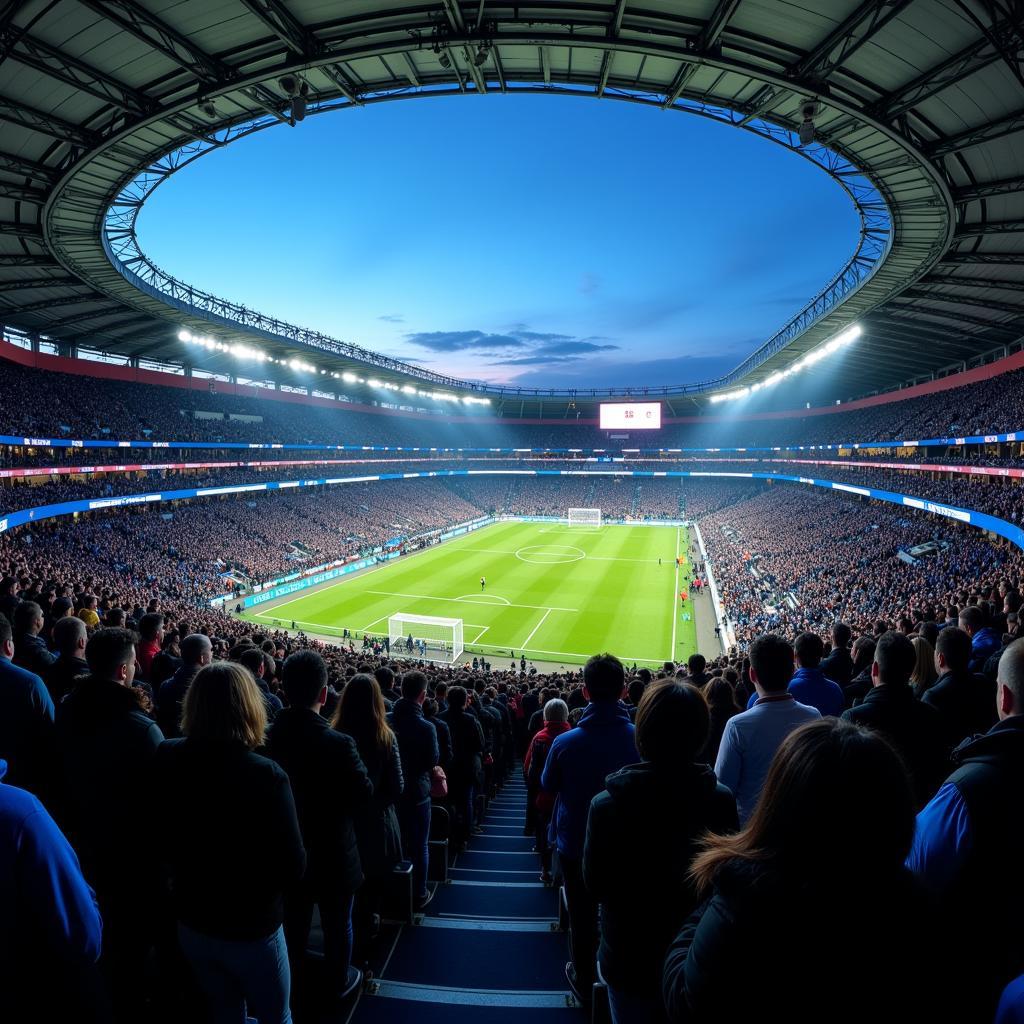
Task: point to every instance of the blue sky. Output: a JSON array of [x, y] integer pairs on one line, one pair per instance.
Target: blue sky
[[549, 241]]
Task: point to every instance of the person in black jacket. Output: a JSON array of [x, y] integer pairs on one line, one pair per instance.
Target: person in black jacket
[[230, 841], [444, 736], [467, 762], [420, 754], [838, 666], [30, 650], [813, 884], [107, 747], [912, 727], [361, 715], [652, 814], [863, 658], [196, 651], [330, 785], [965, 701], [721, 698], [69, 637]]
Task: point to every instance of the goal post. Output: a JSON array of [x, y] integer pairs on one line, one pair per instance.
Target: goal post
[[584, 517], [425, 636]]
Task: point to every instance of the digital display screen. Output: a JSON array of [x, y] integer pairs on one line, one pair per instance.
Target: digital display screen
[[631, 416]]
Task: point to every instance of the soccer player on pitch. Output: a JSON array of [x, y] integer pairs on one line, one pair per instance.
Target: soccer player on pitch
[[483, 582]]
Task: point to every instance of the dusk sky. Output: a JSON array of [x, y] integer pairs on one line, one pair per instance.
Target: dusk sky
[[549, 241]]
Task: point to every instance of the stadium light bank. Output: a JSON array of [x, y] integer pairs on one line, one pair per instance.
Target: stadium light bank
[[848, 336], [248, 352]]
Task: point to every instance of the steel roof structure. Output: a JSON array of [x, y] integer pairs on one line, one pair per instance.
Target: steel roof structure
[[918, 113]]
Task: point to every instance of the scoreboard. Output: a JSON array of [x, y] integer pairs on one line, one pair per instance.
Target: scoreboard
[[631, 416]]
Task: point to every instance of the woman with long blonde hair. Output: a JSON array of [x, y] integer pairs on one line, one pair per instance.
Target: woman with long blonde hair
[[924, 675]]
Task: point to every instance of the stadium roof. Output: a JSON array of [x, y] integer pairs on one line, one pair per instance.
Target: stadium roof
[[101, 99]]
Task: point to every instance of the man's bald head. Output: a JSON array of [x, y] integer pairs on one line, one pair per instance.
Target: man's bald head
[[1010, 680], [196, 649]]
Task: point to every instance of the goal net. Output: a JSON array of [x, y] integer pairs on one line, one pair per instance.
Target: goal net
[[584, 517], [426, 637]]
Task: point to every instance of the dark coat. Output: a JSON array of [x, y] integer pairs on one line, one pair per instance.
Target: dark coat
[[377, 831], [913, 728], [171, 696], [719, 715], [60, 677], [417, 747], [331, 786], [966, 702], [32, 654], [652, 818], [228, 836], [858, 687], [107, 746], [444, 743], [838, 666], [467, 749], [767, 948]]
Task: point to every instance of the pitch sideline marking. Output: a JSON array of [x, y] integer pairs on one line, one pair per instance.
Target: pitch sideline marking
[[526, 642], [675, 594]]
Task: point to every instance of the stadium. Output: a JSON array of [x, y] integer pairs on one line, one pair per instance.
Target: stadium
[[608, 608]]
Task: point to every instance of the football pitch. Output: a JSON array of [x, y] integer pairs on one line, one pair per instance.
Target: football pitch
[[554, 593]]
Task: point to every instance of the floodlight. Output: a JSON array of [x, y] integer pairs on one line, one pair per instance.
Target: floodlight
[[444, 60], [481, 55], [373, 382], [348, 378], [207, 108], [184, 335], [808, 111]]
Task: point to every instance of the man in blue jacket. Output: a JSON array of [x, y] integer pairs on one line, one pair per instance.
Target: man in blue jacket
[[809, 685], [985, 641], [575, 771], [50, 927], [970, 840]]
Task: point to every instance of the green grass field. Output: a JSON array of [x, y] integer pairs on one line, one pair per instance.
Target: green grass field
[[554, 592]]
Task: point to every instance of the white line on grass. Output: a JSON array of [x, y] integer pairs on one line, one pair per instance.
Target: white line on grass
[[569, 654], [476, 639], [451, 600], [675, 594], [593, 558], [526, 642]]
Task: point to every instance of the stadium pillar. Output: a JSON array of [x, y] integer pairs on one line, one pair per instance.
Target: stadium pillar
[[34, 342]]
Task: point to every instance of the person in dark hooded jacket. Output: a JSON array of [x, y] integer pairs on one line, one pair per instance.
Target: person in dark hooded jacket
[[863, 658], [654, 814], [813, 884], [965, 701]]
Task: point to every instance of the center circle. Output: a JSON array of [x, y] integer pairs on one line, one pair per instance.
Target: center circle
[[550, 554]]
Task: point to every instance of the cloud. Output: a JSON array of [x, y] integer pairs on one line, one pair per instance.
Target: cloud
[[462, 341], [519, 348], [392, 318]]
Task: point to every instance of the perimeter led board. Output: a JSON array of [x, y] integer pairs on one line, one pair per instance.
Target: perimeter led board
[[631, 416]]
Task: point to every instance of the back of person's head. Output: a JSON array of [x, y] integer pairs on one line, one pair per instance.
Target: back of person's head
[[636, 690], [604, 677], [719, 693], [6, 632], [1010, 680], [110, 652], [863, 652], [556, 710], [954, 647], [440, 691], [771, 662], [26, 617], [672, 723], [223, 703], [837, 803], [895, 657], [457, 697], [695, 664], [972, 618], [68, 634], [385, 677], [809, 650], [304, 677], [150, 625], [361, 711], [196, 649], [115, 617], [413, 684], [252, 658], [841, 634], [923, 671]]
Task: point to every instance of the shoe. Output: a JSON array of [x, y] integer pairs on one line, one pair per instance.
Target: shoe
[[478, 830], [574, 985], [424, 900], [352, 983], [546, 877]]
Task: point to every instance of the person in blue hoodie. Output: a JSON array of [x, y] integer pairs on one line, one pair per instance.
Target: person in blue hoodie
[[985, 641], [809, 684], [50, 926], [577, 766]]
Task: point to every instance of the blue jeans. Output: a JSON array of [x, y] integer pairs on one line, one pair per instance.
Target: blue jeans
[[414, 820], [240, 978], [335, 922], [627, 1008]]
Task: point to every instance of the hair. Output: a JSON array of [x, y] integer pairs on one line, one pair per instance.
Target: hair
[[25, 615], [150, 624], [67, 632], [636, 690], [895, 657], [837, 801], [457, 697], [863, 652], [413, 684], [604, 677], [224, 703], [719, 692], [972, 618], [252, 659], [304, 676], [809, 650], [193, 647], [923, 674], [6, 633], [1011, 671], [771, 658], [672, 723], [556, 710], [115, 617], [696, 663], [841, 634], [385, 677], [108, 649], [955, 646], [361, 711]]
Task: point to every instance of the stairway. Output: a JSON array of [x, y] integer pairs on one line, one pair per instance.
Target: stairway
[[488, 949]]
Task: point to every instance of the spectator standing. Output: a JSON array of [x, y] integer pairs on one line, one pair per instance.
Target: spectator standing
[[538, 803], [721, 699], [230, 840], [30, 650], [964, 699], [70, 636], [331, 786], [575, 771], [924, 675], [466, 776], [151, 635], [836, 816], [985, 640], [196, 653], [420, 754], [809, 684], [838, 666], [652, 813], [751, 738]]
